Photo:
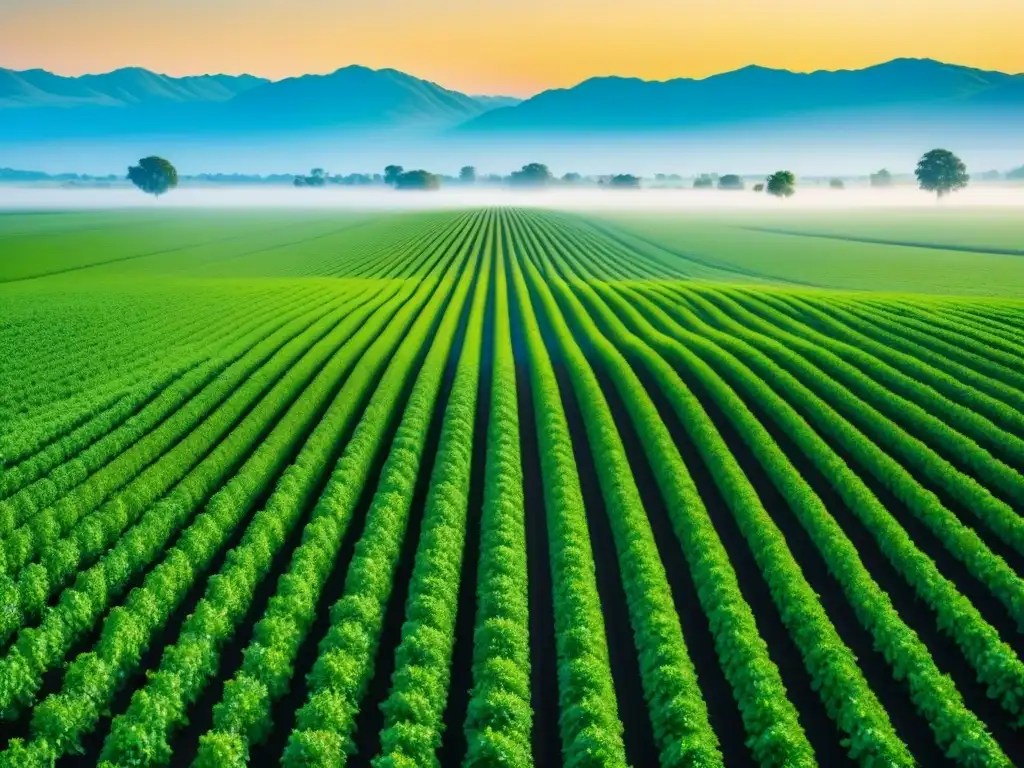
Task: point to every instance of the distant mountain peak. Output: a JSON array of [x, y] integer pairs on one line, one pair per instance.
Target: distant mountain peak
[[751, 93], [134, 99]]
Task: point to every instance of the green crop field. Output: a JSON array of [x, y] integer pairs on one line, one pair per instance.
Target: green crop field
[[511, 487]]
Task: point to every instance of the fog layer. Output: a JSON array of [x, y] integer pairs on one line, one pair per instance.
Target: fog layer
[[17, 198]]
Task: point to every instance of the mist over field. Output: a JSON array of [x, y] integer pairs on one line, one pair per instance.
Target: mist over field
[[851, 147], [808, 198]]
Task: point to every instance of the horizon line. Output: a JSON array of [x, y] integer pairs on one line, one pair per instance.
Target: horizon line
[[506, 95]]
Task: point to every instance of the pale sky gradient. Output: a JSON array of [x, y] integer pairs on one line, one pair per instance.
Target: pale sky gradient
[[516, 47]]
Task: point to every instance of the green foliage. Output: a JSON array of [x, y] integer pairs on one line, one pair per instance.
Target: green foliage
[[170, 428], [941, 172], [624, 181], [417, 180], [153, 175], [730, 181], [781, 184], [531, 175]]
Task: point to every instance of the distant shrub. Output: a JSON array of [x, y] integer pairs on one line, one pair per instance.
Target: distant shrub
[[781, 184], [836, 184], [531, 175], [624, 181], [417, 180], [881, 179], [730, 181]]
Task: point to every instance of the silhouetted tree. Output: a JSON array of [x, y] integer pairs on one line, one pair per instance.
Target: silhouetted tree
[[704, 181], [467, 175], [730, 181], [571, 178], [881, 179], [781, 184], [153, 175], [391, 174], [1016, 174], [941, 172], [624, 181], [531, 175], [836, 184], [759, 187], [417, 180]]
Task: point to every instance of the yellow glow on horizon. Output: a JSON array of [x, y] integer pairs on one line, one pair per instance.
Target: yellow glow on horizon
[[501, 46]]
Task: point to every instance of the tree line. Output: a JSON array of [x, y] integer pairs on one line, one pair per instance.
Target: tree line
[[939, 171]]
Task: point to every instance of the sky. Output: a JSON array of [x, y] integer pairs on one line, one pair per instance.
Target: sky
[[514, 47]]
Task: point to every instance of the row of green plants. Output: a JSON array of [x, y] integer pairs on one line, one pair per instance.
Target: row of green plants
[[930, 352], [591, 732], [71, 532], [141, 460], [499, 718], [345, 664], [134, 350], [37, 650], [70, 460], [242, 717], [415, 705], [934, 694], [142, 735], [985, 354], [61, 720], [748, 368], [914, 392], [881, 434], [1001, 404], [774, 733], [30, 450], [983, 340], [677, 710]]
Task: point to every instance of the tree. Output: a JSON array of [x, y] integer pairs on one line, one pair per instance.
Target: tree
[[571, 178], [992, 175], [836, 184], [730, 181], [468, 174], [391, 174], [704, 181], [531, 175], [881, 179], [941, 172], [759, 187], [417, 180], [1016, 174], [624, 181], [153, 175], [781, 184]]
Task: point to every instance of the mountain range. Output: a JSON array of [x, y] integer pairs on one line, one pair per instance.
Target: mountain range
[[616, 103], [919, 99]]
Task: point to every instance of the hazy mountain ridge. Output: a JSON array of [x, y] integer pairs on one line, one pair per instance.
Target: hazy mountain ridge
[[617, 103], [128, 87], [362, 119], [352, 96]]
